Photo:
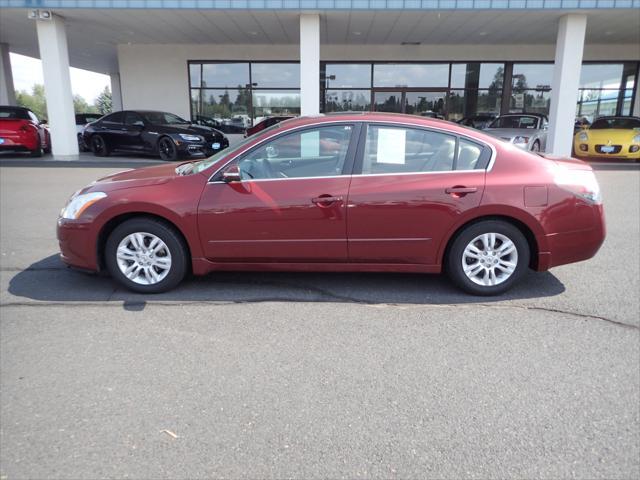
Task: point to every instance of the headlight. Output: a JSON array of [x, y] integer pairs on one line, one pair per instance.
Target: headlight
[[583, 137], [636, 139], [79, 203], [190, 138], [519, 139]]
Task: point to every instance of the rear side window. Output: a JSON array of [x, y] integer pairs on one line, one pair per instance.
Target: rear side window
[[390, 149], [469, 155]]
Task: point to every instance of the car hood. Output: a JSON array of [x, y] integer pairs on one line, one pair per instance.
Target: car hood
[[510, 132], [615, 135], [190, 128], [140, 177]]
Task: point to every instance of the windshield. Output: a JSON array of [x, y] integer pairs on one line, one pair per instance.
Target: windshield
[[202, 165], [621, 123], [163, 118], [515, 121]]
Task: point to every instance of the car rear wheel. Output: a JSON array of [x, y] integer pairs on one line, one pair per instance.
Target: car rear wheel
[[99, 146], [146, 256], [37, 152], [167, 149], [488, 258]]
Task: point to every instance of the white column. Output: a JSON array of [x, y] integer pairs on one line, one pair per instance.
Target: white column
[[636, 100], [310, 64], [566, 80], [52, 40], [7, 92], [116, 92]]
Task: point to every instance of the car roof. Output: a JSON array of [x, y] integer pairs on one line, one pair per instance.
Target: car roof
[[14, 107], [605, 117]]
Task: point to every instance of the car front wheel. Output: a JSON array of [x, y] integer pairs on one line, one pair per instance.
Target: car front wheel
[[146, 256], [99, 146], [488, 258], [167, 149]]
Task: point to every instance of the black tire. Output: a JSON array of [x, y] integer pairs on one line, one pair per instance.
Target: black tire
[[37, 153], [166, 233], [454, 260], [536, 146], [81, 145], [167, 149], [99, 146]]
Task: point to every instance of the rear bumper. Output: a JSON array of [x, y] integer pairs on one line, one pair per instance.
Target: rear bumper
[[77, 246], [18, 142], [574, 246]]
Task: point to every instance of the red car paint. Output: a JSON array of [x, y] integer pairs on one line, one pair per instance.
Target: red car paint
[[22, 134], [400, 222]]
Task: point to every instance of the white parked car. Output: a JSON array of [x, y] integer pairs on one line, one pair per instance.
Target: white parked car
[[82, 119], [525, 130]]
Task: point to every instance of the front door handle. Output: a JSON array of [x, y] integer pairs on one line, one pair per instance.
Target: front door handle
[[460, 191], [326, 200]]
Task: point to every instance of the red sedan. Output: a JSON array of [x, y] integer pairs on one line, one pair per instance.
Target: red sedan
[[350, 192], [21, 131]]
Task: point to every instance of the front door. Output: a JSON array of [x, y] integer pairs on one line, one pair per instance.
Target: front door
[[426, 103], [291, 203]]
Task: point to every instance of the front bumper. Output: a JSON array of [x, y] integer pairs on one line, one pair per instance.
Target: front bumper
[[77, 246], [199, 149], [591, 151]]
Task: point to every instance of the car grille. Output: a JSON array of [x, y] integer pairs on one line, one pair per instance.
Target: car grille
[[616, 149]]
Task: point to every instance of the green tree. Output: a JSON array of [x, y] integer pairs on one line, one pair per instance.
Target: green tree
[[104, 102], [80, 105], [34, 101]]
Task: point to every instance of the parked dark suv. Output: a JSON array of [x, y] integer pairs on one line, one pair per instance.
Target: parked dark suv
[[151, 132]]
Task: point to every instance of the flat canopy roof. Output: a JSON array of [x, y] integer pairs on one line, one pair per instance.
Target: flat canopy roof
[[94, 33]]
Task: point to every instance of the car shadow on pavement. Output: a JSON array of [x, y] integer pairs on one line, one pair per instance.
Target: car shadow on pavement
[[49, 280]]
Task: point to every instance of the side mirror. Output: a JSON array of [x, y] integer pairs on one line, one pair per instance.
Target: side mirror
[[231, 174], [44, 121]]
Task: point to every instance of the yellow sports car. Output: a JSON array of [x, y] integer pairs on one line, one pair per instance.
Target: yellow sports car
[[617, 137]]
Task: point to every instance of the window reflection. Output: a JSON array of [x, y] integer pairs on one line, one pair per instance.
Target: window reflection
[[275, 75], [347, 100], [404, 75]]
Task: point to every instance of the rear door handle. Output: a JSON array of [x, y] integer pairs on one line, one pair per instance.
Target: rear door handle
[[326, 200], [459, 190]]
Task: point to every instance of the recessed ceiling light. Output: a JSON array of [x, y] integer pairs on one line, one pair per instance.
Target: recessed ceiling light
[[410, 43], [482, 34], [253, 34], [608, 33], [357, 33]]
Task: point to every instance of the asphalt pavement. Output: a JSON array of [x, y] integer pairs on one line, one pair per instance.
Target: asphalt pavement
[[309, 375]]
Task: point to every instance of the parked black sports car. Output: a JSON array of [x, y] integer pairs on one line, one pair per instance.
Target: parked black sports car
[[150, 132]]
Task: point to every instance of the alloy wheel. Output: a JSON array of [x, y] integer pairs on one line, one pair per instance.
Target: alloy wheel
[[143, 258], [490, 259]]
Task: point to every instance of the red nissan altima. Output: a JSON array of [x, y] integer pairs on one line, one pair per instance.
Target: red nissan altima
[[350, 192]]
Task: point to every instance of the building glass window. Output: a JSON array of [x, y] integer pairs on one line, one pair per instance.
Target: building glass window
[[407, 75], [347, 101], [232, 96], [477, 75], [275, 75], [340, 75]]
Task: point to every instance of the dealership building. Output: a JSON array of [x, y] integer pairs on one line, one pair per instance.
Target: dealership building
[[241, 60]]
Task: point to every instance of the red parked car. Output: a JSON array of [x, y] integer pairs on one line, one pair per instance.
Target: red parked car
[[350, 192], [21, 131], [265, 123]]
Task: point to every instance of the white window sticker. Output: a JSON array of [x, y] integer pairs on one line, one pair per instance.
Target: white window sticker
[[310, 144], [391, 145]]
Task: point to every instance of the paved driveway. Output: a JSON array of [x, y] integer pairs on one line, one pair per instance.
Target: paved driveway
[[314, 375]]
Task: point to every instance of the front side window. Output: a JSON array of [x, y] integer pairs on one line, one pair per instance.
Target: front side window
[[316, 152], [132, 118], [117, 117], [515, 121], [391, 150]]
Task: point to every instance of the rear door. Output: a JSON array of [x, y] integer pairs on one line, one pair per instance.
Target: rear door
[[291, 203], [409, 187]]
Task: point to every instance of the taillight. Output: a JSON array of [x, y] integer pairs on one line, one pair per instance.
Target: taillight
[[581, 183]]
